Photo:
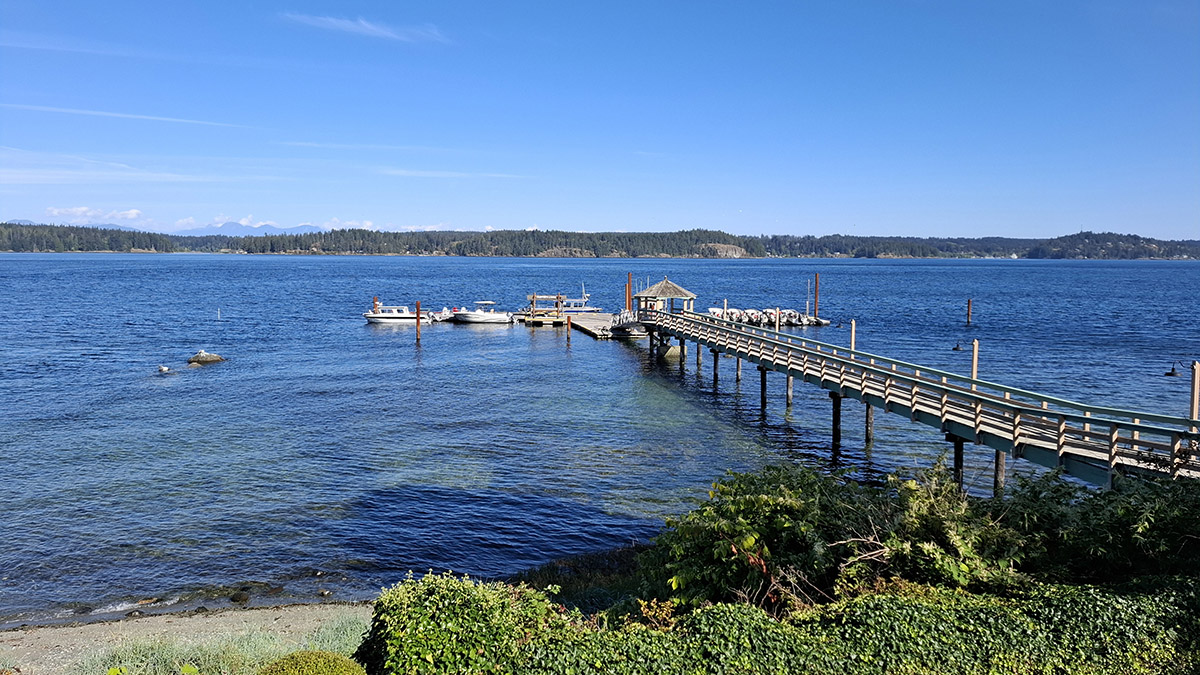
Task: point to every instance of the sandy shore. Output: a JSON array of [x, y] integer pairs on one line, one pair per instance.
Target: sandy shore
[[52, 650]]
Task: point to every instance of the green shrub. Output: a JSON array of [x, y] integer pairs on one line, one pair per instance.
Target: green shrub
[[444, 624], [940, 536], [312, 662], [774, 538], [1140, 527]]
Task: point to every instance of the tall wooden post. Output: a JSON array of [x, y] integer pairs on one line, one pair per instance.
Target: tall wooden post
[[869, 432], [762, 386], [817, 297], [629, 293], [569, 329], [1194, 412], [974, 362], [968, 311], [725, 310], [418, 322], [958, 461], [998, 477], [790, 378], [837, 418], [776, 319], [853, 332]]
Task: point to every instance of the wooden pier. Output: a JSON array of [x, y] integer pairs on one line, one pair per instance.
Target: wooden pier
[[595, 324], [1092, 443]]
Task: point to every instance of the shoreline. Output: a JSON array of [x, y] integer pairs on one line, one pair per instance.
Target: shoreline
[[55, 648]]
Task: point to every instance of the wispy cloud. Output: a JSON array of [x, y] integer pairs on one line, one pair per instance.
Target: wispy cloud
[[86, 215], [24, 167], [103, 113], [360, 26], [364, 146], [421, 173]]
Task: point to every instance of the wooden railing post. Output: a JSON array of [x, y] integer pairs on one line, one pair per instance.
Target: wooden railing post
[[1194, 410], [974, 363]]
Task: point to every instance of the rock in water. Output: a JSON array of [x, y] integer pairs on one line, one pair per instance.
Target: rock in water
[[203, 358]]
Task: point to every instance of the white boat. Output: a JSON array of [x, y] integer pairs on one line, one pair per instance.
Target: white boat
[[484, 312], [393, 314], [559, 306]]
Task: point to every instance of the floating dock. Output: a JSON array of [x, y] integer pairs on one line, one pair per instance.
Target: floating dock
[[595, 324]]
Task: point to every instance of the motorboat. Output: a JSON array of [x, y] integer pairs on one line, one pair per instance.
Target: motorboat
[[558, 306], [393, 314], [485, 312]]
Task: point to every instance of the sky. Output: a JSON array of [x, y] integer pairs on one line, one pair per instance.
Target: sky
[[968, 118]]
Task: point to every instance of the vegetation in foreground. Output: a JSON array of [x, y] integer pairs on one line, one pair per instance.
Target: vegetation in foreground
[[787, 570]]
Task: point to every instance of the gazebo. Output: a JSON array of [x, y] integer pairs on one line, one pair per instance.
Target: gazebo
[[662, 297]]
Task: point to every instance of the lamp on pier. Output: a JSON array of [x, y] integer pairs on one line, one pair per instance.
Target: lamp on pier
[[1172, 372]]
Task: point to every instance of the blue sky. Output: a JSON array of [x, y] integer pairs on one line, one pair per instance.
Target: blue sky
[[907, 117]]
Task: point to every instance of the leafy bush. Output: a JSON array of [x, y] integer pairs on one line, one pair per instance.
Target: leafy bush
[[444, 624], [769, 538], [784, 537], [1139, 527], [313, 662], [939, 536]]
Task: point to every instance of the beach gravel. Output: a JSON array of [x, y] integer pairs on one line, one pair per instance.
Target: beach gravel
[[53, 650]]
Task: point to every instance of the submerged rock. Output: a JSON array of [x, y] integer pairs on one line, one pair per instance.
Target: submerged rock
[[202, 357]]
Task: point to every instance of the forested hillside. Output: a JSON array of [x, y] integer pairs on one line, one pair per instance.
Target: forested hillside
[[537, 243]]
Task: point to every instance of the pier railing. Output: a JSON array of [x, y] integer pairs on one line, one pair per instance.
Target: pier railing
[[1091, 442]]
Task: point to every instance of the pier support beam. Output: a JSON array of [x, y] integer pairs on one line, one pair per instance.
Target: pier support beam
[[837, 418], [738, 371], [958, 461], [869, 424], [699, 352], [682, 350], [998, 476], [716, 362], [790, 379], [762, 386]]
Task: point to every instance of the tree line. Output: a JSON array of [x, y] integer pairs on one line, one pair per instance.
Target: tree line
[[521, 243]]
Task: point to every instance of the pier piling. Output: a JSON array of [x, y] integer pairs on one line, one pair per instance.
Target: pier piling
[[817, 297], [869, 423], [968, 311], [998, 475], [762, 386], [737, 376], [836, 398], [958, 461], [716, 357], [790, 379], [418, 322]]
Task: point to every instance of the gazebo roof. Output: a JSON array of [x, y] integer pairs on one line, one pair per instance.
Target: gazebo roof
[[665, 289]]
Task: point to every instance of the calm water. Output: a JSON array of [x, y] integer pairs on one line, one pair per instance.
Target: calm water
[[327, 454]]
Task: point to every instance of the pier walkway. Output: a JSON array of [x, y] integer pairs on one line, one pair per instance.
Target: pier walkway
[[1089, 442]]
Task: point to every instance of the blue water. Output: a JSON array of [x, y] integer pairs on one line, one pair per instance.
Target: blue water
[[331, 455]]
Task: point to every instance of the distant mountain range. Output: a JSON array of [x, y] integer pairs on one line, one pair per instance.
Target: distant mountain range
[[228, 229], [232, 229]]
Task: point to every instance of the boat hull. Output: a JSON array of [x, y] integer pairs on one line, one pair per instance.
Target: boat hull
[[483, 317]]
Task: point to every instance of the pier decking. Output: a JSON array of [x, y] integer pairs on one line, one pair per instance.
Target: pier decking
[[1089, 442]]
